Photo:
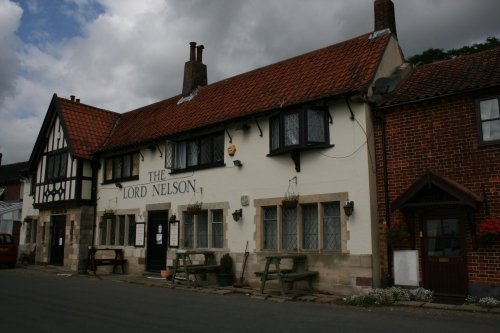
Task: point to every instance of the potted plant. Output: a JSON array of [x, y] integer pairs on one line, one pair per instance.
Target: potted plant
[[225, 276]]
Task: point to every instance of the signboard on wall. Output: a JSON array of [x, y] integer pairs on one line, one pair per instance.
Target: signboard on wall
[[139, 234], [173, 233], [406, 268]]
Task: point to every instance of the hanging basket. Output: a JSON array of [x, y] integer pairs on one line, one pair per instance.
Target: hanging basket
[[291, 200], [108, 214], [194, 209]]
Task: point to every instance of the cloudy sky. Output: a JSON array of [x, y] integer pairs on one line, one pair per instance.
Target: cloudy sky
[[123, 54]]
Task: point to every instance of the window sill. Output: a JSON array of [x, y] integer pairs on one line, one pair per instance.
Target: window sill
[[197, 167], [119, 180], [299, 148]]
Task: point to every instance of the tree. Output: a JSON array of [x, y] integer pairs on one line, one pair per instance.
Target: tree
[[431, 55]]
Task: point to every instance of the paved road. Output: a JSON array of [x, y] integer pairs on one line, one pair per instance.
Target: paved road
[[34, 301]]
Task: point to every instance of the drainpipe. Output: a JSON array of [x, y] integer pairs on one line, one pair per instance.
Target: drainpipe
[[386, 196]]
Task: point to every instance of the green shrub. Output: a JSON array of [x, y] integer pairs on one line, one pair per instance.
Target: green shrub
[[421, 295], [488, 302]]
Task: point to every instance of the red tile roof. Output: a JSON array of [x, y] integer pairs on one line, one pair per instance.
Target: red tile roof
[[339, 69], [480, 70], [87, 127]]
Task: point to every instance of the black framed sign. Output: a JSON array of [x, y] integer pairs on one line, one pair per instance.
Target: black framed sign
[[173, 233], [139, 234]]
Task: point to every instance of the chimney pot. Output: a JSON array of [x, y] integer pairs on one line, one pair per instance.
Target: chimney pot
[[72, 98], [78, 100], [384, 16], [192, 46], [199, 55]]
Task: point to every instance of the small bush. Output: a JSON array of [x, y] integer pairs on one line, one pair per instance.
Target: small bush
[[421, 295], [488, 302], [471, 299], [401, 294], [381, 297]]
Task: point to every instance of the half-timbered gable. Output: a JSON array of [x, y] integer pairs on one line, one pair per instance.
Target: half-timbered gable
[[61, 166]]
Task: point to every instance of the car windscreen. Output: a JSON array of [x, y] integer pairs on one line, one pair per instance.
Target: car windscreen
[[6, 239]]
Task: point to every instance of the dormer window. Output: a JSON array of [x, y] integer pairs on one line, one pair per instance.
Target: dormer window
[[197, 153], [299, 129], [122, 168], [489, 120]]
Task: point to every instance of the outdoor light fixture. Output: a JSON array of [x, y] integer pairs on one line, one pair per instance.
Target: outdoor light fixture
[[237, 214], [119, 185], [237, 163], [349, 208]]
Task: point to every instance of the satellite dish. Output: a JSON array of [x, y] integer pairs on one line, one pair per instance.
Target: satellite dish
[[385, 85]]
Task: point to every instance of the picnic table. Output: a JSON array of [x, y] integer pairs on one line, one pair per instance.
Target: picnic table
[[183, 263], [299, 271]]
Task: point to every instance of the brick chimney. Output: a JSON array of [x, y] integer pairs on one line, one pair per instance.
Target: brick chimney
[[384, 16], [195, 72]]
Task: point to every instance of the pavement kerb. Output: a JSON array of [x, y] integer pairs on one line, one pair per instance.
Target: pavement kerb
[[254, 293]]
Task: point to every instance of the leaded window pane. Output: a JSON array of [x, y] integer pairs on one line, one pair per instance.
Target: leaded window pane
[[103, 228], [331, 226], [121, 230], [217, 229], [112, 232], [131, 230], [219, 148], [310, 226], [193, 153], [117, 167], [188, 231], [206, 151], [315, 126], [64, 164], [270, 228], [289, 228], [275, 133], [202, 229], [109, 170], [181, 154], [291, 125], [127, 166]]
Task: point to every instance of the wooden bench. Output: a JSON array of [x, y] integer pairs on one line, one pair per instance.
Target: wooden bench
[[183, 264], [116, 261], [298, 272]]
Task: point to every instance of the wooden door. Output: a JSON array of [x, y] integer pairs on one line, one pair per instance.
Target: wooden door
[[57, 240], [156, 258], [444, 257]]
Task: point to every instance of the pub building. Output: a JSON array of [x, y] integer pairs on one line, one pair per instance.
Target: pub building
[[281, 158]]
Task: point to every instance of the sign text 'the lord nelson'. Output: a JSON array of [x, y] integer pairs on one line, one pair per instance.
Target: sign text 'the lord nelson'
[[159, 187]]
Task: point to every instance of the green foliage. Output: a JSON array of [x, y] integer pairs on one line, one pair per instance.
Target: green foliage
[[381, 297], [432, 55]]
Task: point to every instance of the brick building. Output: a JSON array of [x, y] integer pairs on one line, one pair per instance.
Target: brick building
[[438, 173]]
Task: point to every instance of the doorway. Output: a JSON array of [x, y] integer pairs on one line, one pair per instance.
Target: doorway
[[156, 258], [444, 255], [57, 240]]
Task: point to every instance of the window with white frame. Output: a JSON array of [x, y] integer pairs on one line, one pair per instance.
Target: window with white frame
[[311, 226], [270, 228], [117, 230], [204, 230], [489, 120], [217, 229]]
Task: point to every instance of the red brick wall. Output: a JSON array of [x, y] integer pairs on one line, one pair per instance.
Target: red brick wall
[[441, 136]]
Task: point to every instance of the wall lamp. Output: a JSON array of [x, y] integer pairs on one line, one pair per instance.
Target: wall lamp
[[119, 185], [349, 208], [237, 163], [237, 214]]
